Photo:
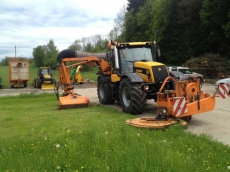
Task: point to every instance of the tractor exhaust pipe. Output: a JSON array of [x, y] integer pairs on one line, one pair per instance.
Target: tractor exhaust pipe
[[71, 54]]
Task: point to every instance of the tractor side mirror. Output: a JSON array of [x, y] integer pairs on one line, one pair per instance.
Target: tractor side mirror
[[158, 52]]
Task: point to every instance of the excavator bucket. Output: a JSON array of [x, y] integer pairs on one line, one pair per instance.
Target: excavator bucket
[[47, 86], [72, 101], [153, 123]]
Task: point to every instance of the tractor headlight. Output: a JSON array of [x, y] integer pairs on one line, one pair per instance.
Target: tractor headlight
[[146, 87], [163, 110]]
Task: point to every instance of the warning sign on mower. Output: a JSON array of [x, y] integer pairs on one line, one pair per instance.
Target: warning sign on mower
[[223, 91], [179, 106]]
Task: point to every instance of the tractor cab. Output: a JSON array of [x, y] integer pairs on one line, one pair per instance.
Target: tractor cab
[[129, 55], [44, 71]]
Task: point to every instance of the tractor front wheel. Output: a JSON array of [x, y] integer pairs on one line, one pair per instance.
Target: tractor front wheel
[[132, 98], [38, 83]]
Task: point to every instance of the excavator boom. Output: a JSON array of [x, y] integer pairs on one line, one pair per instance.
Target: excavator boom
[[69, 98]]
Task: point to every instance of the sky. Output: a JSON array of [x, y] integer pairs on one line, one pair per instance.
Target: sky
[[26, 24]]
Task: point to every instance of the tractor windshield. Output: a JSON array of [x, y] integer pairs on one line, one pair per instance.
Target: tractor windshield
[[45, 71], [128, 56], [186, 71]]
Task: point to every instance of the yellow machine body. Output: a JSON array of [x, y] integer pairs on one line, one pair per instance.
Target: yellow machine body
[[76, 77], [130, 76], [44, 79]]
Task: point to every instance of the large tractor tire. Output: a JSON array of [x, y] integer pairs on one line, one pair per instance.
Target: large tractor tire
[[104, 92], [132, 98], [53, 81]]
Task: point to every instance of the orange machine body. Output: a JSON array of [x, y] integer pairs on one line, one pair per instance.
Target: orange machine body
[[69, 99]]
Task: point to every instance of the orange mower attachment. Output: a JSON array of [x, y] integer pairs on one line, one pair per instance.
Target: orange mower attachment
[[69, 99], [153, 123], [72, 101], [178, 105]]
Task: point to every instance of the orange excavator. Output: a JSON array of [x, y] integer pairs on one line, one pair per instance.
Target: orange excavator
[[129, 76]]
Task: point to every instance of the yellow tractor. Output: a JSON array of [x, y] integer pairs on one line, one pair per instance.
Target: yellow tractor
[[129, 76], [44, 78]]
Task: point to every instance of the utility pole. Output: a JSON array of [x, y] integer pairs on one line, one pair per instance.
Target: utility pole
[[155, 45], [15, 52]]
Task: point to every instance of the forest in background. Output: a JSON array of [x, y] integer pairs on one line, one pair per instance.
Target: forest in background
[[182, 29]]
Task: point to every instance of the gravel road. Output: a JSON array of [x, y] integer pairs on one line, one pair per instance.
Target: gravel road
[[215, 123]]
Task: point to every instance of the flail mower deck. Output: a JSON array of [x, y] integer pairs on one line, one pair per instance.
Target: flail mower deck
[[153, 123]]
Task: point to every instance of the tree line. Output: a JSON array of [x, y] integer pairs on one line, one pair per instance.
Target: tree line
[[46, 55], [182, 29]]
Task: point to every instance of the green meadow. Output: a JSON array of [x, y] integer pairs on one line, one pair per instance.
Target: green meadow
[[36, 136]]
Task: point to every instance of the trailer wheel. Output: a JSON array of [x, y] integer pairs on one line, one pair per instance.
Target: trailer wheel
[[104, 92], [34, 83], [132, 98]]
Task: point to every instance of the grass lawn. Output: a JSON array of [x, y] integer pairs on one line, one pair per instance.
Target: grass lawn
[[35, 136]]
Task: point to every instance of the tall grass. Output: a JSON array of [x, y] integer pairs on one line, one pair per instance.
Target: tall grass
[[35, 136]]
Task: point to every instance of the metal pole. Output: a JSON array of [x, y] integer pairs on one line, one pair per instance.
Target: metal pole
[[155, 46], [15, 52]]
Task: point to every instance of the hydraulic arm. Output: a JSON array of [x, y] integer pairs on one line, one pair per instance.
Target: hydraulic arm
[[69, 98]]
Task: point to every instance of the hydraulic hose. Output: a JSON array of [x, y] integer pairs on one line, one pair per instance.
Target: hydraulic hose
[[71, 53], [65, 54]]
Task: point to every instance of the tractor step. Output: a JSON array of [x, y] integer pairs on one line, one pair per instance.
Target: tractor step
[[47, 86]]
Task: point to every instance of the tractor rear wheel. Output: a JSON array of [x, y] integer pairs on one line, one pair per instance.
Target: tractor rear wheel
[[104, 92], [132, 98]]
